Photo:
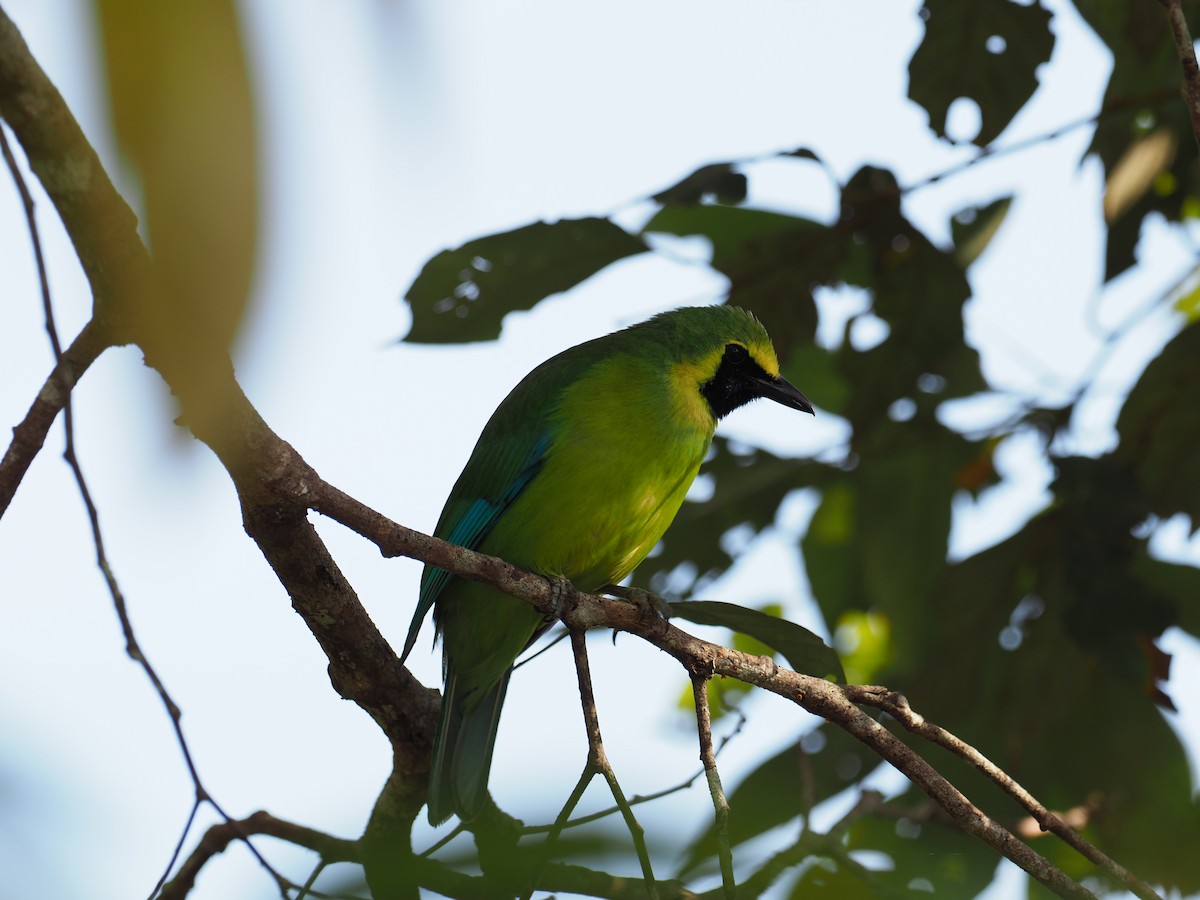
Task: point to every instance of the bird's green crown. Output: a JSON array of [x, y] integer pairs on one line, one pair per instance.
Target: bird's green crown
[[698, 335], [709, 350]]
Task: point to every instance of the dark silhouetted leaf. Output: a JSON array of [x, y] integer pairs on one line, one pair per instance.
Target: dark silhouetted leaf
[[1179, 582], [1159, 427], [973, 229], [919, 291], [1033, 640], [773, 262], [988, 51], [717, 181], [830, 878], [878, 540], [462, 295]]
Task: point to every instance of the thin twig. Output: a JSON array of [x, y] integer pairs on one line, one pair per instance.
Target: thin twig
[[635, 800], [197, 802], [638, 799], [1117, 104], [308, 888], [896, 705], [597, 764], [598, 759], [560, 822], [443, 841], [30, 435], [548, 644], [35, 239], [719, 801]]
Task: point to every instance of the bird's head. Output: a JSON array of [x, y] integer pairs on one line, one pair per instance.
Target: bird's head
[[722, 356]]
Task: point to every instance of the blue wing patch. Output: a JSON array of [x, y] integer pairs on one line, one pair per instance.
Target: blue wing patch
[[469, 531]]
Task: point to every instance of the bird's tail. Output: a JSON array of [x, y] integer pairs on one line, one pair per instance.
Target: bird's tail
[[462, 751]]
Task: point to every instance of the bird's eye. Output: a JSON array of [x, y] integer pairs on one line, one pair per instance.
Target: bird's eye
[[736, 354]]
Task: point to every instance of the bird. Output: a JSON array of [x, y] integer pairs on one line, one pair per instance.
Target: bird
[[576, 476]]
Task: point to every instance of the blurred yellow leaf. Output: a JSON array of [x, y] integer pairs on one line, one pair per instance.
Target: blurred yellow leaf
[[1189, 303], [182, 111], [1136, 171], [864, 642]]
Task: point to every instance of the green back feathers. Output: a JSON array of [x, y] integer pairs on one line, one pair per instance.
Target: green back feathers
[[644, 376]]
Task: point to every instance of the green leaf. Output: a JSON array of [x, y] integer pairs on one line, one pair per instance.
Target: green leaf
[[804, 651], [878, 540], [1180, 583], [462, 295], [864, 642], [986, 50], [1047, 702], [1159, 428], [813, 369], [830, 549], [828, 877], [928, 858]]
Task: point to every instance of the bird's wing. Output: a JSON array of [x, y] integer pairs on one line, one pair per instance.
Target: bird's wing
[[470, 519]]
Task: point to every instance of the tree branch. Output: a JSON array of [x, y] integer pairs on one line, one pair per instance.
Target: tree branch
[[896, 705], [597, 761], [221, 835], [1186, 49], [30, 435], [813, 694]]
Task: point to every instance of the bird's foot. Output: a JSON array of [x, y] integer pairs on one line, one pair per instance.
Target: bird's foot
[[564, 595], [647, 602]]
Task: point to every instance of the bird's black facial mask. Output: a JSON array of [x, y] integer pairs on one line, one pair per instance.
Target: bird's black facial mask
[[739, 379]]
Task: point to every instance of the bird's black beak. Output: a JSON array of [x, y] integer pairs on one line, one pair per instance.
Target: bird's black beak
[[782, 391]]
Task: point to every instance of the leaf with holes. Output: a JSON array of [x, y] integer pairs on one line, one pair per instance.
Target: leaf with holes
[[988, 51], [462, 295]]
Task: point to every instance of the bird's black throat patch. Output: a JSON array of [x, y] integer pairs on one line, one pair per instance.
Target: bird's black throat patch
[[736, 382]]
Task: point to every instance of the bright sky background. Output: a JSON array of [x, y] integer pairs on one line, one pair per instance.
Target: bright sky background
[[390, 131]]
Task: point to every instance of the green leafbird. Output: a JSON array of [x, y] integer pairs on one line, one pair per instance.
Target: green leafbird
[[577, 475]]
